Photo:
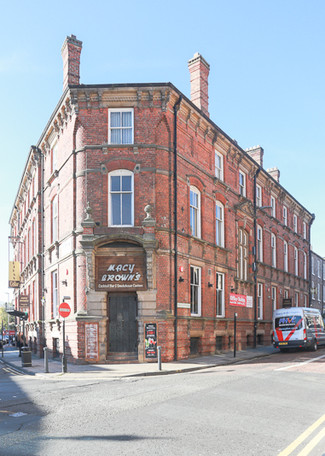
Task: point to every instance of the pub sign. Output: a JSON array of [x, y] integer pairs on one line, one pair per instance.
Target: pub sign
[[120, 273]]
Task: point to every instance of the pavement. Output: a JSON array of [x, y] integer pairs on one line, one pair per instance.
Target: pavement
[[11, 358]]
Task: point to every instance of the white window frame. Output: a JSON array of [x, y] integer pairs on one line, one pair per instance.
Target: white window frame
[[273, 249], [285, 215], [304, 227], [312, 265], [242, 254], [273, 206], [259, 237], [195, 291], [296, 257], [319, 269], [121, 110], [195, 213], [318, 291], [54, 157], [260, 301], [313, 290], [273, 297], [218, 165], [258, 195], [295, 223], [220, 223], [285, 256], [305, 265], [296, 299], [242, 183], [220, 294], [121, 173], [54, 219]]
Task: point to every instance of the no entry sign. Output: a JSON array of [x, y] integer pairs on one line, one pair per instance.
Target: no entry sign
[[64, 310]]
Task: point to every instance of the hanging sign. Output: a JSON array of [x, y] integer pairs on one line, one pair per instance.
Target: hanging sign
[[150, 339], [14, 274]]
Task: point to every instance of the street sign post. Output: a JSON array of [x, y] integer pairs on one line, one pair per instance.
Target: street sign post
[[64, 311]]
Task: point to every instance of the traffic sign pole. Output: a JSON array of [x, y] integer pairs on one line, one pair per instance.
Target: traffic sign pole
[[64, 359], [64, 311]]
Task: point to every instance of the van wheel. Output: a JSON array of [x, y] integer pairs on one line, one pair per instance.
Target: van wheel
[[314, 345]]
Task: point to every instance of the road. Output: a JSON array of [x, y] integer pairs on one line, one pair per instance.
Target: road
[[267, 407]]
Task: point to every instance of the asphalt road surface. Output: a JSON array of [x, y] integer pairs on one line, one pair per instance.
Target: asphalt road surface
[[271, 406]]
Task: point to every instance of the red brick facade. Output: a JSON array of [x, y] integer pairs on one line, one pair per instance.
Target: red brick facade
[[215, 237]]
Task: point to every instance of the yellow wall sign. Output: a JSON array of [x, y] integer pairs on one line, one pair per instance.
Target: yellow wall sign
[[14, 274]]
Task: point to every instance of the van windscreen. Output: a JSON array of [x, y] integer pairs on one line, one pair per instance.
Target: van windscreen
[[288, 322]]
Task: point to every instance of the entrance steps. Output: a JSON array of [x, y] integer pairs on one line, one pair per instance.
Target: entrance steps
[[122, 358]]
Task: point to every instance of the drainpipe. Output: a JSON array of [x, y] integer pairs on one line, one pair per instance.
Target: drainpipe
[[176, 108], [309, 247], [39, 153], [255, 258]]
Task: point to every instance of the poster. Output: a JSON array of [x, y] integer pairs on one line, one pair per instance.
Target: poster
[[91, 342], [150, 339]]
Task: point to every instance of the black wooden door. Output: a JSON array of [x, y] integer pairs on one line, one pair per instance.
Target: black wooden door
[[122, 323]]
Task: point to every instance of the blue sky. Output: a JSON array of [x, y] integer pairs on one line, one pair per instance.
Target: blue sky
[[266, 83]]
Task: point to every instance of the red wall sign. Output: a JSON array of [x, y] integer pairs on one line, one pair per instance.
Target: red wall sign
[[237, 300], [64, 310]]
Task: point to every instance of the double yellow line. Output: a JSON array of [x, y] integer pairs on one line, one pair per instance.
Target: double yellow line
[[302, 437]]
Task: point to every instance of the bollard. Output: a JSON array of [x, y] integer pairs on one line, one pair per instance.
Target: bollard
[[159, 358], [46, 360]]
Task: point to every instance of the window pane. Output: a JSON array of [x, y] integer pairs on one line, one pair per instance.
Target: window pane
[[127, 136], [126, 119], [126, 209], [115, 136], [115, 119], [116, 209], [126, 183], [115, 183]]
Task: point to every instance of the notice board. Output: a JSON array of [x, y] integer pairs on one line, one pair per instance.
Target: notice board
[[91, 342], [150, 339]]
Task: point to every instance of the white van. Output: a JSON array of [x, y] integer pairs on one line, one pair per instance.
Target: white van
[[298, 327]]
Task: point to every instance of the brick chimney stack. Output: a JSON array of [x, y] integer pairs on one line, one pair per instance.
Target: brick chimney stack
[[275, 173], [199, 73], [70, 52], [257, 153]]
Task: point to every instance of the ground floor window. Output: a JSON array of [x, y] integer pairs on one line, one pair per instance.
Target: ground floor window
[[220, 295], [260, 301], [195, 290]]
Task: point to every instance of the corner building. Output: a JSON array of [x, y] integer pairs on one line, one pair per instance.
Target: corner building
[[153, 224]]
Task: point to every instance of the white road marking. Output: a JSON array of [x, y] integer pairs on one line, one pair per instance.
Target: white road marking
[[300, 364]]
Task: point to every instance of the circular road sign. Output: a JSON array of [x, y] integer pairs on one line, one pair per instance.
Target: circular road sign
[[64, 309]]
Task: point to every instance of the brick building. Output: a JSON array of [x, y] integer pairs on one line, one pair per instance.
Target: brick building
[[153, 224], [317, 282]]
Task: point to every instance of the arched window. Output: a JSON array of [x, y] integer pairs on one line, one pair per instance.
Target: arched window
[[220, 237], [195, 212], [120, 198]]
